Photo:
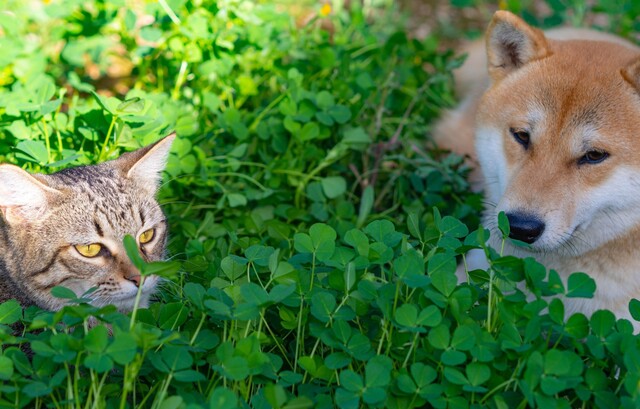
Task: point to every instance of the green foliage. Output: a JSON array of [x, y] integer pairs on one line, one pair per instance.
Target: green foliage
[[318, 234]]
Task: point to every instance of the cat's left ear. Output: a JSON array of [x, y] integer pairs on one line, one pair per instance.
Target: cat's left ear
[[23, 197], [145, 165]]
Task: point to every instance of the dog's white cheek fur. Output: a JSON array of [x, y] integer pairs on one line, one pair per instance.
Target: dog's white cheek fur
[[609, 210], [490, 149]]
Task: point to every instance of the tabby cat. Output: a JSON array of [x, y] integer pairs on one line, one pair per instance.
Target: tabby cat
[[66, 229]]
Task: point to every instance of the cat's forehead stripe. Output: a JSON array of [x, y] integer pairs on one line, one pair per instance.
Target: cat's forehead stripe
[[98, 228]]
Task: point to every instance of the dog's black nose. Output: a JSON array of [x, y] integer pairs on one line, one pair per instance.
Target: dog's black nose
[[525, 227]]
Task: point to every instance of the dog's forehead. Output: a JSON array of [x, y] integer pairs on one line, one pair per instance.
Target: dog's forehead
[[583, 105]]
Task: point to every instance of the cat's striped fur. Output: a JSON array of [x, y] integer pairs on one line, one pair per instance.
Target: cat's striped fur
[[44, 218]]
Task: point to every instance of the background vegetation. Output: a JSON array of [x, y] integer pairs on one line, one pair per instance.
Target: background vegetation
[[316, 229]]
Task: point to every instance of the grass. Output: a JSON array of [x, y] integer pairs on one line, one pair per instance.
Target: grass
[[315, 231]]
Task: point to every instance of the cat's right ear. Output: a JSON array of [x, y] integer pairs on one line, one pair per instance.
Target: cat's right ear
[[22, 196], [145, 165]]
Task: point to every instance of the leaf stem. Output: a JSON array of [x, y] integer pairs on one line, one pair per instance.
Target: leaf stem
[[114, 118]]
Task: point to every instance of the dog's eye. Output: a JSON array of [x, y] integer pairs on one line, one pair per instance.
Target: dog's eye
[[521, 136], [593, 157]]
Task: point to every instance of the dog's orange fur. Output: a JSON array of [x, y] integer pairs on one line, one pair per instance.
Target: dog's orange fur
[[576, 94]]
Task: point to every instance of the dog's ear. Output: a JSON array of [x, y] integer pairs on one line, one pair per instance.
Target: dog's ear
[[631, 73], [512, 43]]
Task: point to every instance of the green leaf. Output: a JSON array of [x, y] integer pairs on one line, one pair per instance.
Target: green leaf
[[309, 131], [36, 389], [33, 151], [439, 337], [349, 277], [580, 285], [166, 269], [233, 267], [351, 381], [358, 240], [235, 368], [503, 224], [236, 199], [11, 312], [291, 125], [407, 315], [254, 294], [131, 106], [366, 204], [131, 248], [195, 293], [374, 396], [322, 305], [602, 322], [441, 268], [577, 325], [172, 402], [477, 373], [259, 254], [323, 238], [423, 374], [346, 399], [337, 360], [413, 224], [97, 339], [406, 384], [379, 230], [334, 186], [101, 101], [634, 309], [454, 376], [452, 357], [6, 368], [340, 113], [556, 311], [189, 375], [453, 227], [99, 362], [178, 358], [123, 348], [410, 263], [45, 89], [324, 99], [288, 107], [302, 243], [429, 316], [378, 371], [223, 398], [63, 292]]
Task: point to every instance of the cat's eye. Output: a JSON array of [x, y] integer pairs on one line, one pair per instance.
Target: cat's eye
[[146, 236], [89, 250], [521, 136]]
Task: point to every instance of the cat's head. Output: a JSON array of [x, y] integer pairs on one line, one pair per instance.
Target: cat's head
[[67, 228]]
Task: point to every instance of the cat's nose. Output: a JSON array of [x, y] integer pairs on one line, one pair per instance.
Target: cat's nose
[[135, 279]]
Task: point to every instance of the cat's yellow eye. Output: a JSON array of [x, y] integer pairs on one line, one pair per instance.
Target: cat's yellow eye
[[89, 250], [146, 236]]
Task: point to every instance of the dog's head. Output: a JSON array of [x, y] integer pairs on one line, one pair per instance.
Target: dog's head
[[558, 137]]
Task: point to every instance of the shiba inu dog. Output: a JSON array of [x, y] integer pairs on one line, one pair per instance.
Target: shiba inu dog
[[555, 120]]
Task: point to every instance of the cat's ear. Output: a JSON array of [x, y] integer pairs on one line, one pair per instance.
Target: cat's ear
[[512, 43], [145, 165], [22, 196]]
